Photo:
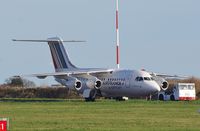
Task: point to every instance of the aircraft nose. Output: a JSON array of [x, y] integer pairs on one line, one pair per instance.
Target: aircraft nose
[[154, 87]]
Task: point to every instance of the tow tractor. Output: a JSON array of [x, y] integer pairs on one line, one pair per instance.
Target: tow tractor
[[181, 91]]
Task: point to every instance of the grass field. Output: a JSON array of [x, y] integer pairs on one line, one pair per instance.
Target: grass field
[[107, 115]]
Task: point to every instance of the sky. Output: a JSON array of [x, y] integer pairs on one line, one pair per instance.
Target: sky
[[156, 35]]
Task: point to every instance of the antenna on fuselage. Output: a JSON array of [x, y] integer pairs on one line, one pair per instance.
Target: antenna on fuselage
[[117, 33]]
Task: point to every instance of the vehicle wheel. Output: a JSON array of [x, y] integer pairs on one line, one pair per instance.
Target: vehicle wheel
[[172, 98], [120, 99], [161, 97]]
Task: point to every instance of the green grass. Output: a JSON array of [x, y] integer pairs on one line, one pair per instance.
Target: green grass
[[106, 115]]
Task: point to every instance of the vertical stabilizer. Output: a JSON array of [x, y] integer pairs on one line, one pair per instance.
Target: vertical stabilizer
[[59, 55]]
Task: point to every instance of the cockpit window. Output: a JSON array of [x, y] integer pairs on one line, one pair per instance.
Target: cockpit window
[[139, 78], [147, 78], [144, 78]]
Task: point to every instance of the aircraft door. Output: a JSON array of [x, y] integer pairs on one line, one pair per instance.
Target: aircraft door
[[127, 80]]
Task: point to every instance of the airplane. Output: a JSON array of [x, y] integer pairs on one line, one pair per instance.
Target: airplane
[[92, 82]]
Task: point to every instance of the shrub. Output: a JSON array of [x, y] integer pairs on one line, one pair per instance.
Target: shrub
[[48, 92]]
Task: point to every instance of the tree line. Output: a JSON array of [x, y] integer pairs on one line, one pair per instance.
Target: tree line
[[16, 87]]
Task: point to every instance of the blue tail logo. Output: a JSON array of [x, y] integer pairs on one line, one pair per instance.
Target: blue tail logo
[[59, 54]]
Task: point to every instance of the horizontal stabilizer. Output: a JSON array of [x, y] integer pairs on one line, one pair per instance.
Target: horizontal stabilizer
[[49, 40], [59, 55]]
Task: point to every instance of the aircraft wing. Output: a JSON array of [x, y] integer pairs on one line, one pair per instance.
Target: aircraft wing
[[169, 76], [70, 73]]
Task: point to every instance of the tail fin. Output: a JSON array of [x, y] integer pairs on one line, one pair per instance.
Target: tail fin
[[59, 55]]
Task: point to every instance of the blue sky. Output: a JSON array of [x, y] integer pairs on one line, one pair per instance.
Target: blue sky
[[157, 35]]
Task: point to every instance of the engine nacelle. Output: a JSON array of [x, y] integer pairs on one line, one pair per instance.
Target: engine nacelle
[[161, 82], [77, 85], [71, 83], [94, 83], [164, 85]]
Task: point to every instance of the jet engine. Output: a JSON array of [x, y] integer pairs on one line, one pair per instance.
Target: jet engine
[[164, 85], [94, 83], [71, 83], [75, 83], [161, 82]]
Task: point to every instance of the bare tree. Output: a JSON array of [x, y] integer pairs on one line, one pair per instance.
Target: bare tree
[[20, 82]]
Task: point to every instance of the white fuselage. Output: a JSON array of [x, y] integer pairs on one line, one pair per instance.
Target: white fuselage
[[123, 83], [119, 83]]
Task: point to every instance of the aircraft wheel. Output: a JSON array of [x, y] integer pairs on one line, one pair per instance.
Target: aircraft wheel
[[92, 96], [89, 99], [161, 97], [172, 98]]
